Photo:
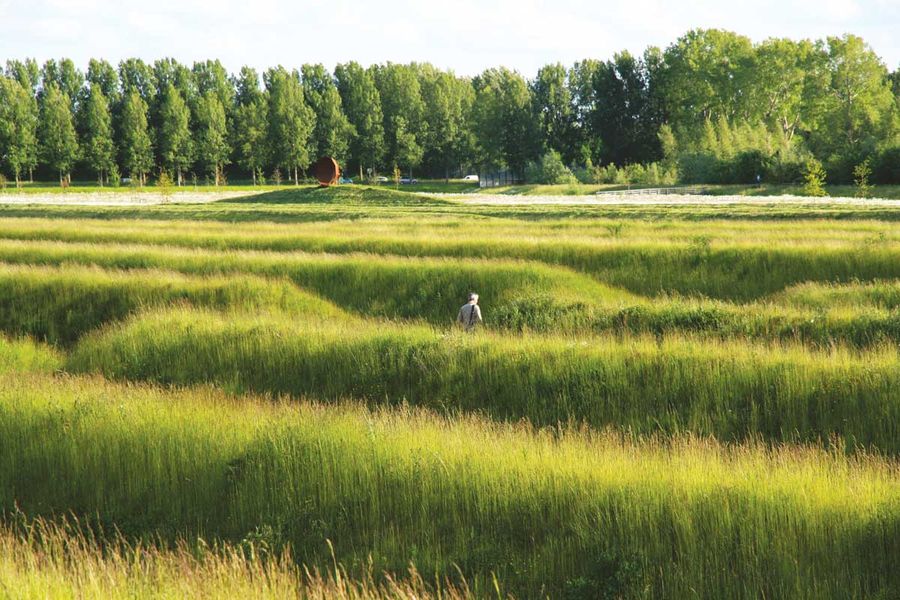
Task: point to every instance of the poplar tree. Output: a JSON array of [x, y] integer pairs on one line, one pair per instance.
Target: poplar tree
[[18, 128], [174, 137], [59, 143], [97, 146], [137, 150], [362, 105], [212, 135], [251, 123], [291, 121], [333, 131]]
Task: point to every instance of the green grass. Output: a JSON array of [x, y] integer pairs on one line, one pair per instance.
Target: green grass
[[664, 402], [60, 304], [571, 512], [518, 296], [729, 261], [26, 355], [59, 559], [732, 390]]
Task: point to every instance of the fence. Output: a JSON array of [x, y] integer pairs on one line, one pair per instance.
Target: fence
[[666, 191]]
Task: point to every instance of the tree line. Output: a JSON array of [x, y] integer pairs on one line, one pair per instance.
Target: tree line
[[711, 107]]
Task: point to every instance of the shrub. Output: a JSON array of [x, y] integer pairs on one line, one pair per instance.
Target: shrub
[[815, 179], [549, 170], [861, 174]]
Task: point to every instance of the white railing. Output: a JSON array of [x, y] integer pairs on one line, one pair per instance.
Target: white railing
[[664, 191]]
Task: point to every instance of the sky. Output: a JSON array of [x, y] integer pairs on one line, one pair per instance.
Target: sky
[[465, 35]]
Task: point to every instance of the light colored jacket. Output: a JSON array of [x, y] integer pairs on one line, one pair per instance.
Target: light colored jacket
[[469, 316]]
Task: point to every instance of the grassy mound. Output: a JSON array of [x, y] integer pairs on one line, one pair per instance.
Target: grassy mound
[[426, 289], [341, 194], [515, 296], [571, 514], [60, 304], [731, 390]]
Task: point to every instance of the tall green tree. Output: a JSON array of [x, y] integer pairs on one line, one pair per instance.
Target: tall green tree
[[137, 76], [858, 106], [291, 121], [97, 147], [586, 140], [251, 123], [704, 78], [333, 131], [58, 141], [66, 77], [213, 149], [137, 148], [781, 71], [26, 72], [624, 114], [403, 112], [362, 105], [506, 127], [448, 109], [18, 128], [555, 109], [103, 75], [174, 139]]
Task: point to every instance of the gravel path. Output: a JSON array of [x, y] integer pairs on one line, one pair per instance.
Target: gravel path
[[119, 198], [660, 200]]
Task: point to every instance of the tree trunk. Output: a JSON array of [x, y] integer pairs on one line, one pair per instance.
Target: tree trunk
[[296, 179], [254, 175], [30, 174]]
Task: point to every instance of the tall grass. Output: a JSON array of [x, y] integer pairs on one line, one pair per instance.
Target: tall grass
[[427, 289], [733, 390], [48, 559], [60, 304], [556, 512], [27, 355], [734, 262], [516, 296]]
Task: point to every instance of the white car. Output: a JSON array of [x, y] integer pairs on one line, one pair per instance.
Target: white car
[[470, 178]]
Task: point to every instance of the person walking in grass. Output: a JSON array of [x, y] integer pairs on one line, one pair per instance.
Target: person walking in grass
[[470, 313]]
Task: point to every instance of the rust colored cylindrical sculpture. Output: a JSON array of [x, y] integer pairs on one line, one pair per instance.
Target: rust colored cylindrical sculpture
[[327, 171]]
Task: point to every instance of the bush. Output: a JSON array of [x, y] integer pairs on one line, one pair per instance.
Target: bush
[[747, 165], [699, 167], [115, 176], [815, 179], [550, 170]]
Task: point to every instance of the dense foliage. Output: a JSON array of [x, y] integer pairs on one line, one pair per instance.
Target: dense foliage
[[712, 107]]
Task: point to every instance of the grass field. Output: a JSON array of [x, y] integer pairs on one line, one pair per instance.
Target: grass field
[[267, 394]]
